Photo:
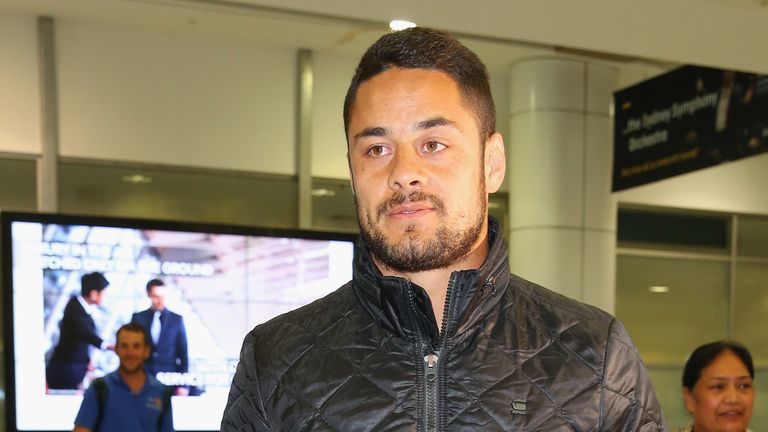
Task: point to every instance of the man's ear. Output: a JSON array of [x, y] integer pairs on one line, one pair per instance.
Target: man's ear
[[351, 175], [495, 162]]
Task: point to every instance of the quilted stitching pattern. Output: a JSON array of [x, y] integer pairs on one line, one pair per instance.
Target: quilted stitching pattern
[[328, 367]]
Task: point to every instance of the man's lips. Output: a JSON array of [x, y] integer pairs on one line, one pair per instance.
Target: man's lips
[[409, 210]]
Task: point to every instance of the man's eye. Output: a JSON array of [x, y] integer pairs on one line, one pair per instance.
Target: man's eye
[[433, 146], [377, 150]]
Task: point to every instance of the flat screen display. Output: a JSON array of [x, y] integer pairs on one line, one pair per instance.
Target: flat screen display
[[221, 281]]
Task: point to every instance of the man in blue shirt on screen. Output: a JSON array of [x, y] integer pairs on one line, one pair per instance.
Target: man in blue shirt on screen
[[128, 399]]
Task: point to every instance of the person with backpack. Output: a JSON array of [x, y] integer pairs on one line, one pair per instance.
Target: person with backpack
[[128, 399]]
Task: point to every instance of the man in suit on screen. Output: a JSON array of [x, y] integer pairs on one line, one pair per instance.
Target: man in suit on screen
[[167, 334]]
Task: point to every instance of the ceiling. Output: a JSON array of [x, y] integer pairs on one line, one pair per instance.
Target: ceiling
[[719, 33], [249, 22]]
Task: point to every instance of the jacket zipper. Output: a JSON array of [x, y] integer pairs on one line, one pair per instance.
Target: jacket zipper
[[434, 388], [430, 391], [432, 378]]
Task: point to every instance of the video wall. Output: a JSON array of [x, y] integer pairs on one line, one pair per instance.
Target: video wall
[[221, 281]]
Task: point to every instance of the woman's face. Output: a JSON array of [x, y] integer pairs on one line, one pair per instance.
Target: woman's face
[[721, 400]]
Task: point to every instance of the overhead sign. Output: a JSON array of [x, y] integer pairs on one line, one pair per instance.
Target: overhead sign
[[687, 119]]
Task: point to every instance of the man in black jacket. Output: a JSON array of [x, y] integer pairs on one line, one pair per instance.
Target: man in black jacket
[[69, 361], [433, 333]]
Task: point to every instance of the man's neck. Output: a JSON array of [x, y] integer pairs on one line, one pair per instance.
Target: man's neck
[[134, 379], [435, 282]]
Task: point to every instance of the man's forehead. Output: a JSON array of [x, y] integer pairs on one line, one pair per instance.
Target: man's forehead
[[130, 336], [386, 79], [442, 94]]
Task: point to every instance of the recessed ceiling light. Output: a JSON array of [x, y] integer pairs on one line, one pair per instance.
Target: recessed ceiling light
[[137, 178], [397, 25], [322, 192], [658, 289]]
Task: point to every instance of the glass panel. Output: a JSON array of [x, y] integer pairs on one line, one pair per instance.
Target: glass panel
[[673, 231], [667, 384], [753, 237], [216, 197], [333, 205], [667, 326], [750, 308], [759, 413], [18, 185]]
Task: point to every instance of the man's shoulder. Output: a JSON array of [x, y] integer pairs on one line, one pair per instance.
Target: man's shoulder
[[154, 384], [73, 305], [140, 314], [554, 308], [313, 336], [174, 315], [113, 380], [314, 316], [337, 312]]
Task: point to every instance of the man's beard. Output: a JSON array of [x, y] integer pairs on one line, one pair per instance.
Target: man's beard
[[411, 254]]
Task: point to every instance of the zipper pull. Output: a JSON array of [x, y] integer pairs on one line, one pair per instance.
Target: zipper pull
[[489, 283], [430, 367]]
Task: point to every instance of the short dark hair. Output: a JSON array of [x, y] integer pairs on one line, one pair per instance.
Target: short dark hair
[[704, 355], [423, 48], [154, 283], [132, 327], [94, 281]]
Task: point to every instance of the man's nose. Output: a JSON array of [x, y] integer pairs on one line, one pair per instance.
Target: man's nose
[[407, 170]]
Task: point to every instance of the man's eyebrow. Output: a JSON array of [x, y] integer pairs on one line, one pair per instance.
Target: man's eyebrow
[[422, 125], [435, 122], [372, 132]]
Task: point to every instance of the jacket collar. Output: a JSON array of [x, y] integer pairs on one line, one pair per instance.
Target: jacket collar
[[404, 308]]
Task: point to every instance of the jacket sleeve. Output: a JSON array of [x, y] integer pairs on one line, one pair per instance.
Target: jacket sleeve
[[628, 400], [245, 406], [181, 347], [80, 323]]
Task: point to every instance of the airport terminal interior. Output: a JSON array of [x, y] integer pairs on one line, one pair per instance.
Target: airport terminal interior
[[229, 112]]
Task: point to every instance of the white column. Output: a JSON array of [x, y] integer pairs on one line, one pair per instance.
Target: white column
[[562, 214], [304, 134], [47, 165]]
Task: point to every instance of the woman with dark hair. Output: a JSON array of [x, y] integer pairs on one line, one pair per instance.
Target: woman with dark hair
[[717, 387]]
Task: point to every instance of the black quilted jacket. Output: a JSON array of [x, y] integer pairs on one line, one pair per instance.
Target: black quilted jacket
[[510, 356]]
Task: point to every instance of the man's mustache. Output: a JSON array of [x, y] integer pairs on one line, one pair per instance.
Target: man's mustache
[[399, 198]]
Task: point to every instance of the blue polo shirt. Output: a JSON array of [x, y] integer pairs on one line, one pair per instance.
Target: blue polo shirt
[[125, 411]]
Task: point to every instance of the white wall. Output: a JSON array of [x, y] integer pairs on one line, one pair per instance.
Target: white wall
[[738, 187], [19, 83], [134, 95]]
